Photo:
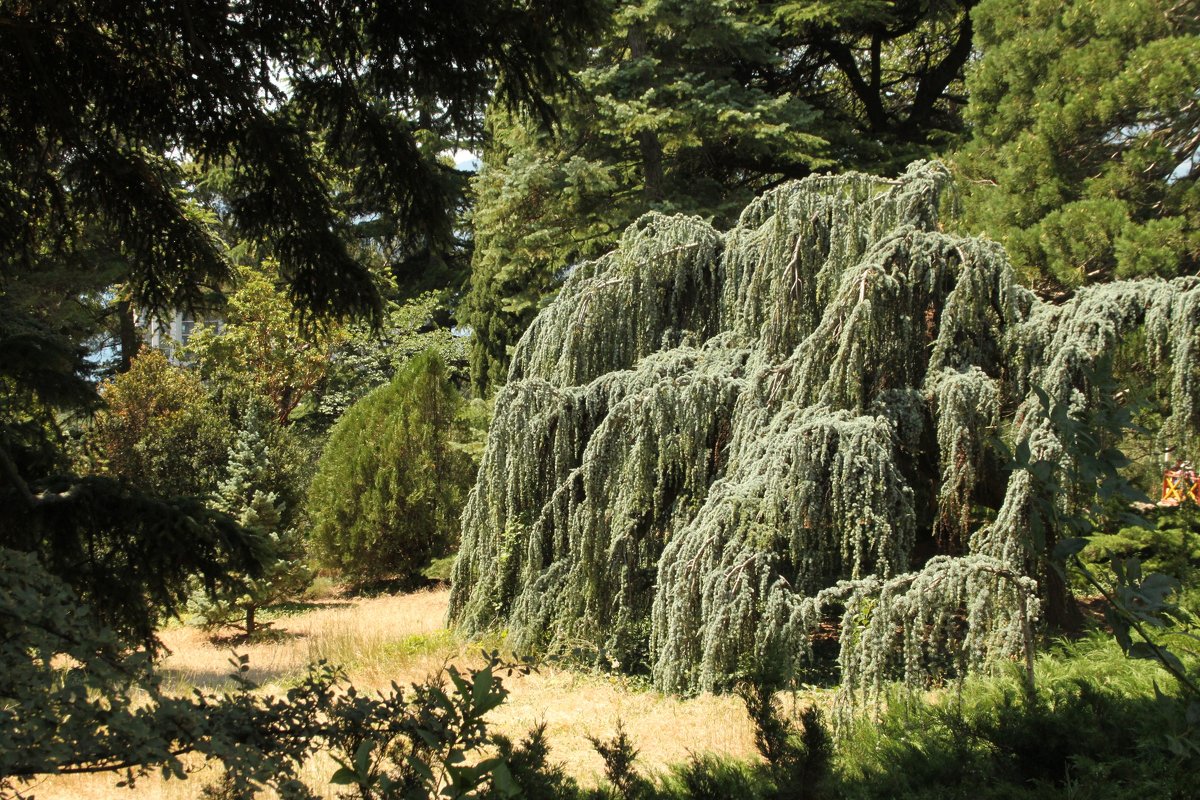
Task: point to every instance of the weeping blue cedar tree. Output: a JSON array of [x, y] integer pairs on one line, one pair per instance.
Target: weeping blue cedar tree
[[711, 442], [391, 481]]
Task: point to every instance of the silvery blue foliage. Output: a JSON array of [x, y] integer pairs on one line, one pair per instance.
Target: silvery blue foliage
[[711, 441]]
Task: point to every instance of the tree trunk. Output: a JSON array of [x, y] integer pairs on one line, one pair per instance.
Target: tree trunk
[[1061, 612], [127, 333], [648, 142]]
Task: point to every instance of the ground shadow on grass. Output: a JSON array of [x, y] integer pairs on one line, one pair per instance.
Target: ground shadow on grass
[[182, 679], [264, 634], [265, 631], [394, 586], [298, 607]]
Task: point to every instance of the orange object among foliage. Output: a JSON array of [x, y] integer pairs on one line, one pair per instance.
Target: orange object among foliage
[[1179, 485]]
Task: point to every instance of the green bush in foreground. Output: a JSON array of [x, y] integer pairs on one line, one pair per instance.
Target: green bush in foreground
[[388, 488], [1098, 728], [110, 713]]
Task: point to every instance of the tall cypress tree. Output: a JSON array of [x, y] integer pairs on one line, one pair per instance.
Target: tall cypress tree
[[390, 483]]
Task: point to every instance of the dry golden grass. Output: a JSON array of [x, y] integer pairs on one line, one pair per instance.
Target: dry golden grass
[[403, 639], [349, 633]]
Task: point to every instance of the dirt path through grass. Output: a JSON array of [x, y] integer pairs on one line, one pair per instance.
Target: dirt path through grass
[[403, 638]]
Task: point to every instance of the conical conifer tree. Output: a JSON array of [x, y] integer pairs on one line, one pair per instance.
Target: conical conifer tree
[[257, 477]]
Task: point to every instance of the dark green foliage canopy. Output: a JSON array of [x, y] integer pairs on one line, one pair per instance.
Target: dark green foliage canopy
[[128, 538], [680, 108], [887, 75], [103, 104], [693, 106], [390, 483], [101, 97], [1087, 137], [93, 532], [105, 107]]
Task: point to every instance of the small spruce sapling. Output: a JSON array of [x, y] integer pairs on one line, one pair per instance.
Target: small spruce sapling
[[256, 477]]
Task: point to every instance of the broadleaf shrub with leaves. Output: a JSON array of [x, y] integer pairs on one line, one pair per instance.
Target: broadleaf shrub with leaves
[[159, 431], [72, 700], [1148, 623]]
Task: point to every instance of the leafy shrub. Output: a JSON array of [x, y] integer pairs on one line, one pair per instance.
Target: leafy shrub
[[707, 777], [429, 741], [440, 569], [160, 432], [390, 484], [1170, 544], [797, 755]]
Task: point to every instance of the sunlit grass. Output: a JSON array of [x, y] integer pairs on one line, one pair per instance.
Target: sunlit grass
[[403, 639]]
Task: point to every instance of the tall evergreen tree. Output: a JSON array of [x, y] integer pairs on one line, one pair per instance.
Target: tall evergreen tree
[[99, 94], [1086, 146], [887, 75], [695, 107], [104, 100], [367, 358], [678, 109], [258, 352]]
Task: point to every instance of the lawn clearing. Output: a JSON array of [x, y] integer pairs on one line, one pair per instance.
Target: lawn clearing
[[403, 638]]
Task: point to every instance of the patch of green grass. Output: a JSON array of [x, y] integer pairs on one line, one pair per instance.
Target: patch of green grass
[[419, 644], [1096, 730], [495, 641], [351, 649], [322, 588]]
